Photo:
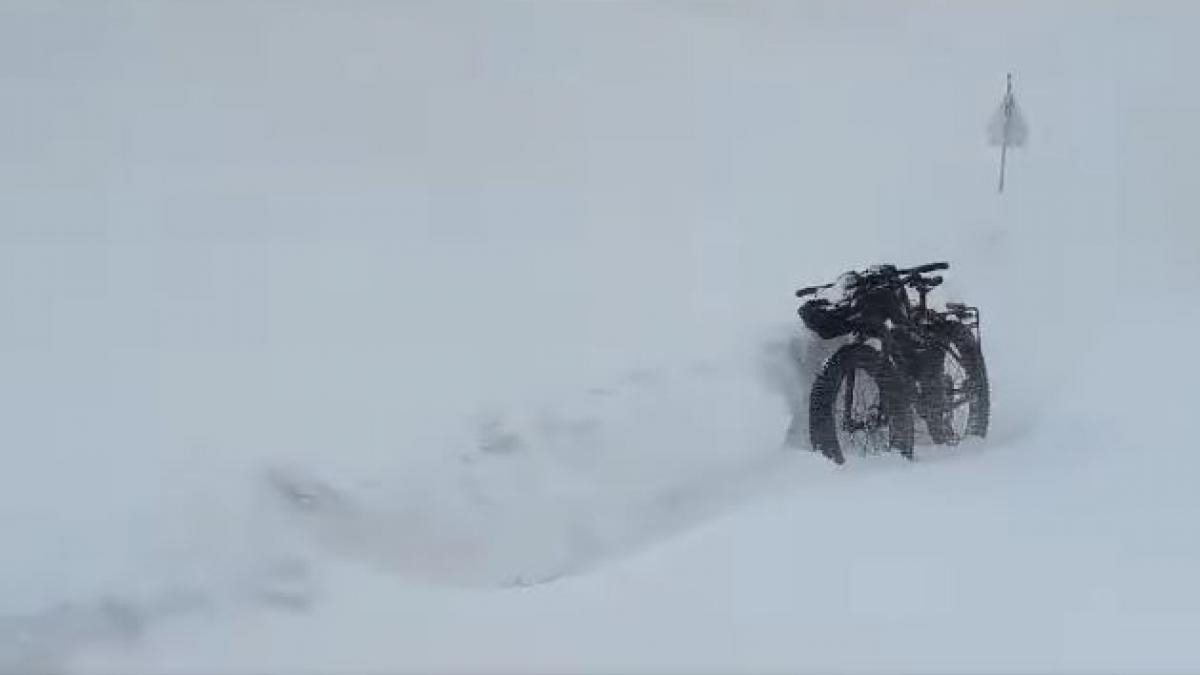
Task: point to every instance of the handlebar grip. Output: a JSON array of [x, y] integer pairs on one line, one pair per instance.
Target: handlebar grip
[[811, 290], [929, 267]]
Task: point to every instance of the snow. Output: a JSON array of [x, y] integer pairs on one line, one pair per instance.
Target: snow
[[461, 337]]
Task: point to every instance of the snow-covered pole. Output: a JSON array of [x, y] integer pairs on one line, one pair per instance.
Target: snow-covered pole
[[1008, 110], [1007, 128]]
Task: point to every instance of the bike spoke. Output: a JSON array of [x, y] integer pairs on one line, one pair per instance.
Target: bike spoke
[[861, 426], [958, 397]]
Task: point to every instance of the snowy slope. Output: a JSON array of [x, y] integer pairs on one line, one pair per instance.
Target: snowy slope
[[445, 338]]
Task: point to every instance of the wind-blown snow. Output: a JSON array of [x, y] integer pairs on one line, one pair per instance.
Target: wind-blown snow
[[460, 337]]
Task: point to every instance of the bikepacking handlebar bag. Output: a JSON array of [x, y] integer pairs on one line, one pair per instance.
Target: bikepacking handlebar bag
[[824, 319]]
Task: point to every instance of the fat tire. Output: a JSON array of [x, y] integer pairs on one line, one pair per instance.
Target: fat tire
[[971, 357], [892, 389]]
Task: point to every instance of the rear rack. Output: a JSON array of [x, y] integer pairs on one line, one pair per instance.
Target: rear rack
[[967, 316]]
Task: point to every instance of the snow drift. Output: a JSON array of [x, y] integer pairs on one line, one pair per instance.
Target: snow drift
[[460, 338]]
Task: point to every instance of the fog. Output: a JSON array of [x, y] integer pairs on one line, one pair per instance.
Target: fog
[[445, 337]]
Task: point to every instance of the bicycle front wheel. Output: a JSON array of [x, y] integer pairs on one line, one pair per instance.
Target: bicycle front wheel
[[859, 405]]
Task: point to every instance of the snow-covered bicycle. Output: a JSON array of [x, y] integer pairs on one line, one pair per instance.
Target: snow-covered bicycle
[[904, 362]]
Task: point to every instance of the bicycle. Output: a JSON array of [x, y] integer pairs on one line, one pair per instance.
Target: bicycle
[[904, 362]]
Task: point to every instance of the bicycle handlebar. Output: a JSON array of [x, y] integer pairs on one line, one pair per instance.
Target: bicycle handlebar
[[905, 276], [928, 267]]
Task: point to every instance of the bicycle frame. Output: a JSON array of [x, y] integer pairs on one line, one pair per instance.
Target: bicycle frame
[[910, 342]]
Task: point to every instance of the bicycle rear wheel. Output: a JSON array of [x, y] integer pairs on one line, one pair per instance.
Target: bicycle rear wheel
[[960, 402]]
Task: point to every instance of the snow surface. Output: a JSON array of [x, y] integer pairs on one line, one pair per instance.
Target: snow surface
[[422, 337]]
